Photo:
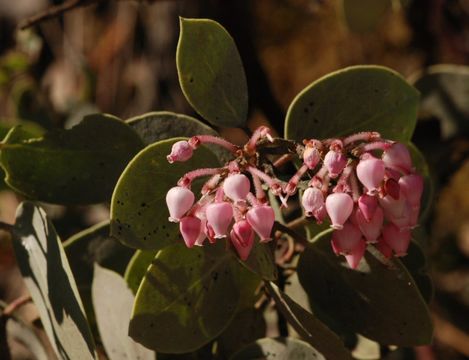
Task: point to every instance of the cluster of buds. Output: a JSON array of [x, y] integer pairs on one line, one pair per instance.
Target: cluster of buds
[[227, 207], [368, 190], [364, 185]]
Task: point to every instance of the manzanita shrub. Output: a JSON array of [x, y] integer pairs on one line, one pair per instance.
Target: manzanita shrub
[[215, 244]]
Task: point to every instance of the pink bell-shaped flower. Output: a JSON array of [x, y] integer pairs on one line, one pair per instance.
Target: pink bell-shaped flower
[[370, 171], [393, 208], [346, 240], [371, 230], [353, 259], [392, 188], [412, 187], [236, 186], [190, 227], [367, 204], [219, 216], [261, 218], [397, 239], [313, 202], [398, 157], [339, 207], [384, 248], [179, 200], [335, 163], [242, 238], [201, 238], [180, 151], [311, 157]]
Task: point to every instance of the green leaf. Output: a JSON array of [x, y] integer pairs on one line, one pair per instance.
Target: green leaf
[[139, 216], [187, 298], [45, 269], [90, 246], [378, 300], [211, 73], [261, 261], [278, 349], [137, 268], [416, 263], [444, 90], [362, 16], [308, 326], [76, 166], [161, 125], [357, 98], [247, 326], [113, 301]]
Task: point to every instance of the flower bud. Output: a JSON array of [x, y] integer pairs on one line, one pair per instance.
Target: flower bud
[[236, 186], [353, 259], [370, 229], [398, 157], [242, 238], [335, 163], [219, 216], [384, 248], [180, 151], [179, 200], [339, 206], [311, 157], [370, 172], [261, 218], [313, 202], [397, 239], [367, 204], [346, 240], [412, 187], [392, 188], [190, 227]]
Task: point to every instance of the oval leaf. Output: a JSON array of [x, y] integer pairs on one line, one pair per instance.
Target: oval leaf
[[139, 216], [378, 300], [112, 301], [187, 298], [137, 268], [308, 326], [162, 125], [211, 73], [76, 166], [44, 266], [278, 349], [358, 98]]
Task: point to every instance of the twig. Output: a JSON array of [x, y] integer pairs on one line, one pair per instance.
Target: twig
[[55, 11], [285, 229], [6, 226], [15, 305]]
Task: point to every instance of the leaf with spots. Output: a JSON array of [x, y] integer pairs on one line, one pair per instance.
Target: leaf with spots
[[278, 349], [357, 98], [137, 268], [113, 301], [162, 125], [186, 299], [76, 166], [46, 272], [379, 299], [139, 216], [211, 73]]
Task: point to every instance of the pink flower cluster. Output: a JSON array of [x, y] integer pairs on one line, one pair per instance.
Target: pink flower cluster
[[364, 185], [227, 205], [368, 189]]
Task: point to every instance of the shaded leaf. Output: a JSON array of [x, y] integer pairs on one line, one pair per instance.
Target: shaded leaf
[[362, 16], [211, 73], [416, 264], [161, 125], [45, 269], [444, 90], [261, 261], [354, 99], [137, 268], [139, 216], [187, 298], [113, 302], [278, 349], [378, 300], [76, 166], [308, 326]]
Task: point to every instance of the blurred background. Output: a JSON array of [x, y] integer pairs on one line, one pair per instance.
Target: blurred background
[[61, 60]]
